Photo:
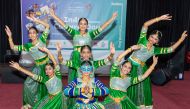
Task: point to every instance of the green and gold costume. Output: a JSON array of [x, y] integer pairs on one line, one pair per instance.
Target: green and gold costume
[[141, 94], [34, 91]]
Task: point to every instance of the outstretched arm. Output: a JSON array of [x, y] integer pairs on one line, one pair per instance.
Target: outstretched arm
[[68, 63], [121, 56], [114, 15], [157, 19], [18, 67], [52, 13], [105, 61], [183, 36], [27, 72], [32, 18], [50, 55], [60, 57], [151, 68], [9, 34], [112, 51]]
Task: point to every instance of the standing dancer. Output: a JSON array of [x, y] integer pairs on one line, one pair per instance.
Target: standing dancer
[[33, 91], [53, 81], [86, 88], [80, 37], [141, 94], [120, 80]]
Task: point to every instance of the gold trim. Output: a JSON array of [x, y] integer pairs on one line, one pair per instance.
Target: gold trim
[[43, 62], [117, 100], [86, 101], [138, 61]]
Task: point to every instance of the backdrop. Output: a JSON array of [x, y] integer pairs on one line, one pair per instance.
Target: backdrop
[[70, 11]]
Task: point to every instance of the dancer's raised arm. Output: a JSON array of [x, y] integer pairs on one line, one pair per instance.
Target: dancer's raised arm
[[157, 19], [108, 22]]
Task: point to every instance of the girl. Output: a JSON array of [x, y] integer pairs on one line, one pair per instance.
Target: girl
[[120, 80], [80, 37], [86, 88], [53, 82], [85, 55], [33, 91], [141, 94]]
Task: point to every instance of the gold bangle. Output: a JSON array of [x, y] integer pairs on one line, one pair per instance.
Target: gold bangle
[[10, 39], [110, 57], [19, 68], [91, 90], [130, 49], [82, 90], [60, 57], [157, 20]]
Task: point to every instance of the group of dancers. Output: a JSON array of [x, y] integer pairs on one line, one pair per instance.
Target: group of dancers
[[129, 86]]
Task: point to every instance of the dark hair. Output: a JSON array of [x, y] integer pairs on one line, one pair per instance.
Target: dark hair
[[159, 33], [29, 11], [33, 27], [83, 19], [86, 46], [50, 64], [124, 62], [86, 63]]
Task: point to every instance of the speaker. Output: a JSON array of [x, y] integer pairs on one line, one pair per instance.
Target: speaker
[[176, 63], [160, 76]]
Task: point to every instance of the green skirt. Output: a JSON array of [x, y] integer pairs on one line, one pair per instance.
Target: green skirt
[[72, 74], [95, 105], [57, 102], [124, 102], [34, 91], [141, 93]]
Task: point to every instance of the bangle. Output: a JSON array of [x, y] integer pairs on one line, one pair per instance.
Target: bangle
[[110, 57], [19, 68], [130, 49], [10, 39], [157, 20], [60, 58], [82, 90], [91, 90]]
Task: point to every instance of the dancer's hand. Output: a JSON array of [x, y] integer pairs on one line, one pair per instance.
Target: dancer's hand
[[135, 47], [43, 49], [114, 15], [51, 12], [14, 64], [8, 31], [86, 90], [112, 48], [184, 35], [155, 60], [58, 46], [165, 17], [32, 18]]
